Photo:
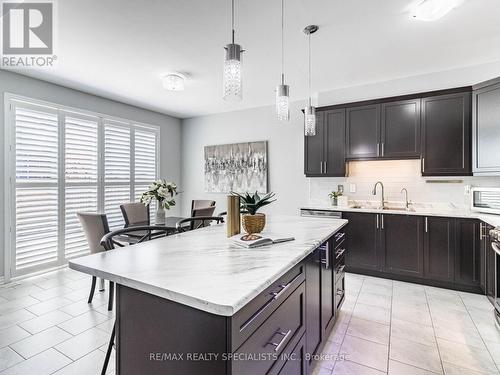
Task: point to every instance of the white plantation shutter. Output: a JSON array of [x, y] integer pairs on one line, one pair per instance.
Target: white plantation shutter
[[81, 177], [36, 195], [66, 162]]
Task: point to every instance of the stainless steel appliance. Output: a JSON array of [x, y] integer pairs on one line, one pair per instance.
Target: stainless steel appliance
[[320, 213], [493, 272], [485, 200]]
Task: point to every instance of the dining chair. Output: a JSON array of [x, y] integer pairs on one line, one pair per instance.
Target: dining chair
[[109, 242], [197, 204], [206, 212], [95, 226], [197, 222], [224, 213], [136, 213]]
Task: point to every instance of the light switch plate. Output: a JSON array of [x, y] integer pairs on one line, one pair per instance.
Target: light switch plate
[[352, 188]]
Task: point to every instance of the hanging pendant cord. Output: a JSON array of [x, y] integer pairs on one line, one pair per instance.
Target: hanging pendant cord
[[309, 70], [232, 21], [282, 43]]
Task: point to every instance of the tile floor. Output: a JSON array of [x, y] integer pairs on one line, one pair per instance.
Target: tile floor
[[385, 327]]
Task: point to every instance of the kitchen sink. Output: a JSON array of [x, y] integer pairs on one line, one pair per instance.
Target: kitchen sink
[[386, 208]]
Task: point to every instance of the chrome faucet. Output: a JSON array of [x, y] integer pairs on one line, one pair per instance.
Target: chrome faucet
[[407, 203], [374, 192]]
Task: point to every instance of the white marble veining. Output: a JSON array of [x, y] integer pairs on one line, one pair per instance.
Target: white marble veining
[[422, 210], [205, 270]]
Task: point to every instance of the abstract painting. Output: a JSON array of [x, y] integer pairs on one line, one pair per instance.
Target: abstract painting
[[238, 167]]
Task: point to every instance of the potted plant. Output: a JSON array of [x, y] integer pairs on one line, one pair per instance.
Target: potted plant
[[163, 192], [252, 221], [333, 197]]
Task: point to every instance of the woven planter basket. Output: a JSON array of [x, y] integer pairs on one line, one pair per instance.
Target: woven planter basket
[[253, 223]]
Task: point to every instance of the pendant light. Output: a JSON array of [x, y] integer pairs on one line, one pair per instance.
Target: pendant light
[[310, 111], [232, 90], [282, 90]]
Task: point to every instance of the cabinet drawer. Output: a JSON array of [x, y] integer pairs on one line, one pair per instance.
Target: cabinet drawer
[[339, 269], [250, 317], [339, 293], [339, 255], [258, 354]]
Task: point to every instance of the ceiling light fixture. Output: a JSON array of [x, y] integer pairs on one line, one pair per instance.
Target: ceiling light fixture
[[232, 88], [174, 82], [282, 90], [432, 10], [310, 111]]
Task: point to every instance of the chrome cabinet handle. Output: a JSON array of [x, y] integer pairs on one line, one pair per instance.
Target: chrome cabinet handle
[[423, 164], [378, 149], [326, 170], [383, 149], [377, 221], [382, 226], [326, 261], [482, 231], [321, 167], [285, 335], [426, 225], [495, 247], [339, 254], [341, 269]]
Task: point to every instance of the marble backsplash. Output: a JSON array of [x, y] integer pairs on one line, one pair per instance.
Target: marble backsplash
[[446, 193]]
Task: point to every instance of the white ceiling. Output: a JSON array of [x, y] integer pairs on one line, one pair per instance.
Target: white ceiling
[[120, 48]]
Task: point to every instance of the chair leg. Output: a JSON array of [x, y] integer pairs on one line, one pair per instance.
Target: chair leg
[[101, 285], [92, 289], [108, 352], [111, 295]]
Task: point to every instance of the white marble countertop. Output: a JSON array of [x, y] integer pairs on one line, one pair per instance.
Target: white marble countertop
[[493, 220], [205, 270]]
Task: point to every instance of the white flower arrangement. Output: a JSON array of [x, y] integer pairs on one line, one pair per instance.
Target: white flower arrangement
[[162, 191]]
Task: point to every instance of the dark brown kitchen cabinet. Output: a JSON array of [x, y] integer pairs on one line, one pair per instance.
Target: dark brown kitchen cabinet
[[468, 253], [402, 238], [362, 237], [486, 132], [325, 152], [446, 135], [439, 248], [313, 303], [400, 129], [363, 132]]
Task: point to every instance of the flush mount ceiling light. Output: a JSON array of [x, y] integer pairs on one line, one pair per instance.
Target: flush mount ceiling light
[[174, 81], [310, 111], [232, 90], [282, 90], [432, 10]]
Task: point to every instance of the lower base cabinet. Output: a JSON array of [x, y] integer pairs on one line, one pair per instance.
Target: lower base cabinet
[[440, 251]]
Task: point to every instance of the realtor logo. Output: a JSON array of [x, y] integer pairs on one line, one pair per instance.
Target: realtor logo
[[27, 34]]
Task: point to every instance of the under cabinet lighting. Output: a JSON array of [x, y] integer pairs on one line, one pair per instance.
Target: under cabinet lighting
[[432, 10]]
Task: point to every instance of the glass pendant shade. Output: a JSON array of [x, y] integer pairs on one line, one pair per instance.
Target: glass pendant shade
[[310, 121], [283, 102], [232, 87]]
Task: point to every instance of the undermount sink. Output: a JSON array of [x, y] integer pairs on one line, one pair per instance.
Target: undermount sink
[[386, 208]]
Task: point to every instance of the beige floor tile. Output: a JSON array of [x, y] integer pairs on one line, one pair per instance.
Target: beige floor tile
[[415, 354], [48, 306], [89, 364], [411, 313], [44, 363], [398, 368], [465, 356], [83, 322], [40, 342], [412, 332], [11, 335], [375, 299], [452, 369], [84, 343], [9, 358], [351, 368], [369, 330], [374, 313], [364, 352], [45, 321], [12, 318]]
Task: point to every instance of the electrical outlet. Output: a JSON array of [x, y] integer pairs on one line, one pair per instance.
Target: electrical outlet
[[352, 188]]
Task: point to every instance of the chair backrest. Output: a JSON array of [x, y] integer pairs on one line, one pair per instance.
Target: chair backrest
[[207, 212], [224, 213], [135, 214], [119, 237], [197, 222], [95, 226], [196, 204]]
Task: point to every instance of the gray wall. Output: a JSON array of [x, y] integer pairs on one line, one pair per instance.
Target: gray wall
[[285, 153], [170, 127]]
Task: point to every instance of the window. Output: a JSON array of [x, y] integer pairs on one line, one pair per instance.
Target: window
[[64, 162]]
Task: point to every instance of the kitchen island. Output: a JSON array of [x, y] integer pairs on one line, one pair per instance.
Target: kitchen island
[[196, 303]]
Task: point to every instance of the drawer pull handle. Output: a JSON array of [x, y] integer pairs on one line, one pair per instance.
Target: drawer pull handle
[[285, 335], [341, 269], [339, 236], [326, 261], [283, 287], [339, 254]]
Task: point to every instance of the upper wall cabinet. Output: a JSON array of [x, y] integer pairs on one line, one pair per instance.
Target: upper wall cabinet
[[384, 131], [446, 135], [400, 133], [363, 132], [325, 152], [486, 128]]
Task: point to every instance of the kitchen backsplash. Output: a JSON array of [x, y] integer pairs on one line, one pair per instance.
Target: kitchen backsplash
[[395, 175]]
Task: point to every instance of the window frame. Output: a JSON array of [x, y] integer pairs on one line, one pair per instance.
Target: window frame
[[10, 185]]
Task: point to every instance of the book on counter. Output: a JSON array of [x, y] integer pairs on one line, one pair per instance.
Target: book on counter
[[262, 240]]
